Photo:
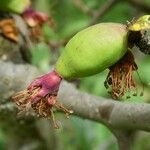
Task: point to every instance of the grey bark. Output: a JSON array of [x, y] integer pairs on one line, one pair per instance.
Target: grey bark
[[114, 114]]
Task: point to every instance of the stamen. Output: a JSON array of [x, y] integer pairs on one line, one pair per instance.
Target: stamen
[[120, 77], [42, 107], [53, 119], [61, 107]]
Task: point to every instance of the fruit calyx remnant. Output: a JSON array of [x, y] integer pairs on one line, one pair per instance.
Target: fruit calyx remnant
[[41, 96], [120, 77]]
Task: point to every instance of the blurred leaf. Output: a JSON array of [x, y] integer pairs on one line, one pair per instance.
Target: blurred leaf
[[95, 84], [49, 33], [143, 68], [15, 6], [119, 13], [83, 134], [141, 141], [42, 5], [41, 56]]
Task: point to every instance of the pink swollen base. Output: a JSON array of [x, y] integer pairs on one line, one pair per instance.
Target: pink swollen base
[[49, 84]]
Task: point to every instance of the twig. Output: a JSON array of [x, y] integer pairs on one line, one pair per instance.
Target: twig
[[103, 10], [83, 7], [124, 139], [141, 5]]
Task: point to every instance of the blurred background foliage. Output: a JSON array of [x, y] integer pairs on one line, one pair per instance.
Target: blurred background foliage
[[69, 17]]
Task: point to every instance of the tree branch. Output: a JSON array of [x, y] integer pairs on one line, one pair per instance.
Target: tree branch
[[83, 7], [114, 114], [124, 139], [141, 5], [103, 10]]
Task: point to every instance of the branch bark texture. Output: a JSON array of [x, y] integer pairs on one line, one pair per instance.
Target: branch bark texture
[[113, 114]]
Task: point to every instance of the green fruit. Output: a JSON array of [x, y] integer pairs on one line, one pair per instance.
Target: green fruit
[[16, 6], [92, 50]]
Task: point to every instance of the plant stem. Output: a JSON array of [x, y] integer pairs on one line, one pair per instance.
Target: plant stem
[[124, 139]]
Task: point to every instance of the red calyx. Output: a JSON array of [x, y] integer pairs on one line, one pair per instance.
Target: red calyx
[[48, 83], [41, 96]]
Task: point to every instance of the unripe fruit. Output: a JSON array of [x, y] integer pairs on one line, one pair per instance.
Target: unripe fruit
[[92, 50], [16, 6], [89, 52]]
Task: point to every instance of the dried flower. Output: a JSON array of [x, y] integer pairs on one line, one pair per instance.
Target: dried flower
[[9, 29], [43, 105], [120, 77], [35, 20]]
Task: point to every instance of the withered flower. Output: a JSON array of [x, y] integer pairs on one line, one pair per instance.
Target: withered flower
[[9, 29], [41, 96], [35, 20], [120, 77]]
